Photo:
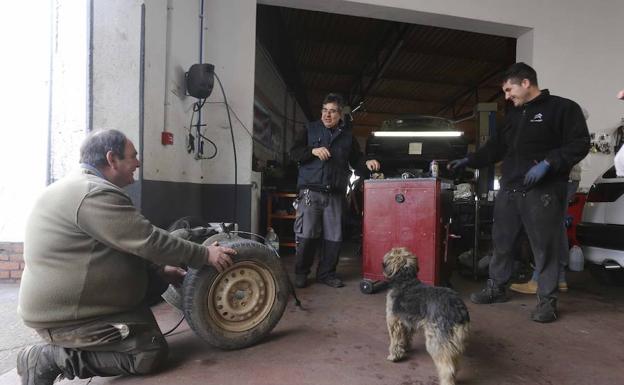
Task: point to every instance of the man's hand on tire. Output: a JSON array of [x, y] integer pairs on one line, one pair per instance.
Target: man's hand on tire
[[173, 275], [219, 257]]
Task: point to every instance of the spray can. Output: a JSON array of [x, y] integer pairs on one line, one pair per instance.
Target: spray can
[[434, 168]]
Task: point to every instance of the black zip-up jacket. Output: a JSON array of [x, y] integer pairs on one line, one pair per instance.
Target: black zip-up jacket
[[548, 127], [333, 174]]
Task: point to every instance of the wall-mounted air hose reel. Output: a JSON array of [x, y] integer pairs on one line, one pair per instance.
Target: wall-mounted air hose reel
[[200, 80]]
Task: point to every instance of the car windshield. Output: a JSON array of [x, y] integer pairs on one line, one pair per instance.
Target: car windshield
[[418, 123]]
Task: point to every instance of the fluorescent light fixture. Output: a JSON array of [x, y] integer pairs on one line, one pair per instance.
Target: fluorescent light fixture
[[417, 134]]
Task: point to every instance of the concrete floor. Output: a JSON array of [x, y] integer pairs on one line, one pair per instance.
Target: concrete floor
[[13, 334], [341, 338]]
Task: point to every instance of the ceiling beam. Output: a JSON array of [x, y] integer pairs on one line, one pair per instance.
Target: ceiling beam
[[351, 40], [431, 53], [378, 96], [451, 102], [424, 79], [373, 117], [441, 53], [398, 76], [379, 60]]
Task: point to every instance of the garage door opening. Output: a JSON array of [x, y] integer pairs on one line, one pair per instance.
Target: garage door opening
[[385, 69]]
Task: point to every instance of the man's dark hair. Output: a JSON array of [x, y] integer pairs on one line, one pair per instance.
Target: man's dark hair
[[334, 98], [94, 148], [519, 71]]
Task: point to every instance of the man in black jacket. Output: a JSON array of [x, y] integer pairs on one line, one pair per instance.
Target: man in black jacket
[[324, 151], [542, 138]]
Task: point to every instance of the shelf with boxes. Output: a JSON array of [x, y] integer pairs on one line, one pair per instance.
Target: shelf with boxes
[[281, 216]]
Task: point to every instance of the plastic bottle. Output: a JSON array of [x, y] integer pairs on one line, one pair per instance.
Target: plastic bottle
[[577, 260], [434, 168], [272, 239]]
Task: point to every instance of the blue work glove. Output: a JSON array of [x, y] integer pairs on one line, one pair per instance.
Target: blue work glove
[[536, 173], [457, 163]]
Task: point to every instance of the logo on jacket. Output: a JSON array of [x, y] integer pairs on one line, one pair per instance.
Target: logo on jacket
[[537, 118]]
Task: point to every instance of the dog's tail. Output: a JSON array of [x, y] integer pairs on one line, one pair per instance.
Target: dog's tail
[[446, 350]]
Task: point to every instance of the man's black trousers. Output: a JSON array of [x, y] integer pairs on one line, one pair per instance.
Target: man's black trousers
[[540, 211]]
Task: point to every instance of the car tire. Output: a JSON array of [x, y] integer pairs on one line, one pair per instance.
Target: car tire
[[238, 307]]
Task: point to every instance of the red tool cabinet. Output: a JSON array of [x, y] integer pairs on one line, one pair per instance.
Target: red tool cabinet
[[412, 213]]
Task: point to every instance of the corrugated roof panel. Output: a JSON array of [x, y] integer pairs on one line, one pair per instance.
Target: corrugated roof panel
[[433, 67]]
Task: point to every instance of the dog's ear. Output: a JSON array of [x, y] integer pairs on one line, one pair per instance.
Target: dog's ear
[[411, 260], [407, 272], [389, 263]]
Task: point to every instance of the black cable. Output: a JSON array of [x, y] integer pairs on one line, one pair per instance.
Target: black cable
[[270, 148], [249, 132], [227, 108], [174, 328], [249, 233], [213, 146], [278, 114], [237, 118], [197, 106]]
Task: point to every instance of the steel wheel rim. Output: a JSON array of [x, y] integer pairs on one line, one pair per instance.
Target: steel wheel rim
[[241, 297]]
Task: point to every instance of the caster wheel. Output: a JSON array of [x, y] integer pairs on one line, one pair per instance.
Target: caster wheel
[[366, 286]]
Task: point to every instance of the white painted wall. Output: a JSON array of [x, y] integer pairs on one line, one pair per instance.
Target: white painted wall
[[172, 33], [229, 44], [575, 45], [116, 66]]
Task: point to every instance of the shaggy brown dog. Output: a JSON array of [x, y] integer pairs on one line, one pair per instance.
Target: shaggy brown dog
[[439, 311]]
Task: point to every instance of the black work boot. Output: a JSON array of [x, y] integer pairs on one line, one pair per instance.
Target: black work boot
[[36, 365], [545, 311], [490, 294], [331, 281], [301, 281]]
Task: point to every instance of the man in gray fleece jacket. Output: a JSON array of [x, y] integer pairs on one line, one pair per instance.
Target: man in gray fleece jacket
[[89, 253]]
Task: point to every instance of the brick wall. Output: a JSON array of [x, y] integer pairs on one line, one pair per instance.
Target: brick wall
[[11, 261]]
